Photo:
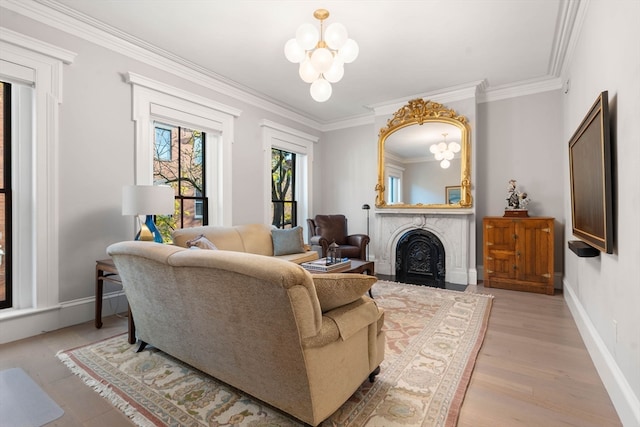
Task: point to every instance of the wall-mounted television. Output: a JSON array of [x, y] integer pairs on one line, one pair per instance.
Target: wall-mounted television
[[590, 178]]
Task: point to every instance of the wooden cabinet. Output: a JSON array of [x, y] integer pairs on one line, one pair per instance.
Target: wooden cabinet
[[518, 253]]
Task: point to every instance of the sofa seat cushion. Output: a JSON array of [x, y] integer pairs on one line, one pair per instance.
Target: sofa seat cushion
[[338, 289]]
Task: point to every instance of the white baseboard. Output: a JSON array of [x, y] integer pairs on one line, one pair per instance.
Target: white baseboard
[[625, 401], [21, 324]]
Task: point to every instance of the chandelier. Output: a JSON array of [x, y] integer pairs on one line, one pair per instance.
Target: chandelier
[[321, 55], [444, 152]]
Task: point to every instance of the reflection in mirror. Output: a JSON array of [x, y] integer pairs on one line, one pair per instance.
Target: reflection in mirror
[[423, 158]]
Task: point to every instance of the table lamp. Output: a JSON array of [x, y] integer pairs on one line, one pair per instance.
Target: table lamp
[[148, 200]]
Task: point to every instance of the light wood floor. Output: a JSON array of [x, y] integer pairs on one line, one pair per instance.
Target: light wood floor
[[533, 370]]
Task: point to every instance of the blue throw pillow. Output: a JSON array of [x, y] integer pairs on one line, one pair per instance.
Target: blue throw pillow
[[287, 241]]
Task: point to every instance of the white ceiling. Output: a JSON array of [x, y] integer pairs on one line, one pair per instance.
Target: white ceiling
[[406, 47]]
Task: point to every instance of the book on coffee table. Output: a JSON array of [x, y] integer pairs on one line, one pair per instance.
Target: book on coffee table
[[321, 265]]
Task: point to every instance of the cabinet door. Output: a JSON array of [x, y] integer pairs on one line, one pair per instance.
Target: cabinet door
[[534, 250], [500, 249]]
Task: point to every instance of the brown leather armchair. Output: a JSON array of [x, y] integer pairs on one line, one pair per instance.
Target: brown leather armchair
[[326, 229]]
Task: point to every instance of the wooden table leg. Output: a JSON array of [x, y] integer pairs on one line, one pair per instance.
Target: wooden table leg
[[99, 291]]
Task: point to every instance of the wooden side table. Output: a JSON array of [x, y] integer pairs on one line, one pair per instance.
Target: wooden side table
[[106, 270]]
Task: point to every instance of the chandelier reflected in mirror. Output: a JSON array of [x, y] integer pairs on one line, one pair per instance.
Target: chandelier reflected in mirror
[[445, 152], [321, 54]]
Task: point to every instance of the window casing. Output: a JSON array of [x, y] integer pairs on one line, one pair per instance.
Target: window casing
[[157, 102], [278, 136]]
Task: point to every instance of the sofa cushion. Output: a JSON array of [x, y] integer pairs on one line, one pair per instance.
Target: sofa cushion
[[287, 241], [338, 289]]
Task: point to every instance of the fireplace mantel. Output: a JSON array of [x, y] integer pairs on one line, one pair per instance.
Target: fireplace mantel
[[451, 226]]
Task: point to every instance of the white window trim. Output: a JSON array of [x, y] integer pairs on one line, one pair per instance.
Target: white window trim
[[275, 135], [34, 63], [153, 100]]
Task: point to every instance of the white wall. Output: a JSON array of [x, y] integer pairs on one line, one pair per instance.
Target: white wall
[[604, 292], [521, 138], [346, 165]]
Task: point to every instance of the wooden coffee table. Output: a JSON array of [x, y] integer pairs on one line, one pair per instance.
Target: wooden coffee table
[[358, 266]]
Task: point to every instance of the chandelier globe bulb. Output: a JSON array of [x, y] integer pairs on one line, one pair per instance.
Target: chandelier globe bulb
[[320, 90], [293, 52], [349, 51], [307, 72], [307, 36], [336, 72], [321, 59], [336, 36]]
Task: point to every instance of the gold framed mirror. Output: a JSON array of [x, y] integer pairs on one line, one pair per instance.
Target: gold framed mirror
[[411, 150]]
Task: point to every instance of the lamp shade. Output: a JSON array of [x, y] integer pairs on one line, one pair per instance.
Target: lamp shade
[[147, 200]]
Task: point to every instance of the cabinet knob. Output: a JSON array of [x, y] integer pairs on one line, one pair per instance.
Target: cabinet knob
[[515, 236], [515, 267]]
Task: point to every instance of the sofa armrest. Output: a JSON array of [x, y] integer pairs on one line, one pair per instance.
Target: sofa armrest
[[343, 322], [353, 317], [358, 240], [318, 241]]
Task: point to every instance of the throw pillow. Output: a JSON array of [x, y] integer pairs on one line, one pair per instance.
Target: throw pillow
[[287, 241], [201, 242], [338, 289]]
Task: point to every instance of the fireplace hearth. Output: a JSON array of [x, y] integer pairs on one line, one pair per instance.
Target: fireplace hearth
[[420, 259]]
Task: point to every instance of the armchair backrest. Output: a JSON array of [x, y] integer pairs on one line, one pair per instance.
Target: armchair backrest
[[331, 227]]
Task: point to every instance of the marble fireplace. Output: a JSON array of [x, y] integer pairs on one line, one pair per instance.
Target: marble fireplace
[[452, 227]]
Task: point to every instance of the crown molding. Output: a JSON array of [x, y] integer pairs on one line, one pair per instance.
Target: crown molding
[[530, 87], [443, 96]]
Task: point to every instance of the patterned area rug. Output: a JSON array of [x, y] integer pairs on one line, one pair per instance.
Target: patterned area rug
[[433, 338]]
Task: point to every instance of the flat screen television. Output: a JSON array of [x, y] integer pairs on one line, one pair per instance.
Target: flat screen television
[[590, 178]]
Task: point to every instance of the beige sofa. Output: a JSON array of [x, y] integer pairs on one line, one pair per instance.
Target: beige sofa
[[251, 238], [298, 342]]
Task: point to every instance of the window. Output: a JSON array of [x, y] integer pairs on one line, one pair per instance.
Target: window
[[185, 172], [162, 149], [6, 288], [283, 189], [394, 184], [297, 157], [172, 114], [394, 189]]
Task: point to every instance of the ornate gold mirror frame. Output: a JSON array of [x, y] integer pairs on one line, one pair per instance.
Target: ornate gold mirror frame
[[416, 113]]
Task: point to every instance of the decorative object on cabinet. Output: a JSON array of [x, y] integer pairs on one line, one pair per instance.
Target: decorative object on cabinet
[[517, 201], [518, 253]]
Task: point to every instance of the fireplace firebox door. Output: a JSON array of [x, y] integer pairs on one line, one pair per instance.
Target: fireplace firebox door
[[420, 259]]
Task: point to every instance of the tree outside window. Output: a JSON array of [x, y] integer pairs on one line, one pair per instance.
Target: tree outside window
[[283, 189], [179, 161]]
